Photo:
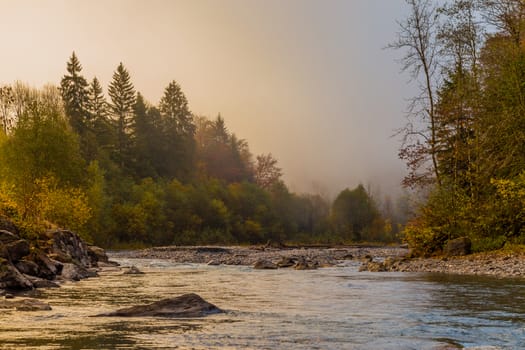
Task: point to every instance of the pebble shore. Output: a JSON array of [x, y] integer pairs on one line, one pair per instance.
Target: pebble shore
[[381, 259], [236, 255], [497, 264]]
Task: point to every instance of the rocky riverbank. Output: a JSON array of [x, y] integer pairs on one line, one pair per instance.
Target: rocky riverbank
[[497, 264], [46, 261], [263, 257], [375, 259]]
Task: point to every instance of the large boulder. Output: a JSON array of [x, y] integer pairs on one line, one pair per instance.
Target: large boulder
[[48, 268], [28, 267], [8, 237], [458, 246], [184, 306], [97, 254], [7, 225], [17, 249], [72, 272], [11, 278], [68, 247]]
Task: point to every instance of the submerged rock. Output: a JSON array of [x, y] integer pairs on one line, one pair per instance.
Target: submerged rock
[[24, 305], [184, 306], [133, 270]]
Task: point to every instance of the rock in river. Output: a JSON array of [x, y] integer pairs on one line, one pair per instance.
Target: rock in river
[[184, 306], [24, 305]]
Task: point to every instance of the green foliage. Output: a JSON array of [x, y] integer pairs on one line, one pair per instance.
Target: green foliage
[[479, 130], [355, 216]]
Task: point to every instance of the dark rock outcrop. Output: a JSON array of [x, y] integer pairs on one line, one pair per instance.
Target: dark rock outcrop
[[48, 268], [68, 247], [11, 278], [8, 237], [35, 264], [73, 272], [28, 267], [17, 249], [458, 246], [184, 306], [96, 255], [8, 225]]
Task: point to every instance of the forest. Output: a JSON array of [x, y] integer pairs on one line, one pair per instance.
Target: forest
[[464, 141], [123, 172]]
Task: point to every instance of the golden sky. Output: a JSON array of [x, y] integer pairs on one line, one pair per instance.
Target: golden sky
[[307, 80]]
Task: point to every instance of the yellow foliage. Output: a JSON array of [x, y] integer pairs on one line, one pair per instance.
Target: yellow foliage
[[65, 207], [8, 206]]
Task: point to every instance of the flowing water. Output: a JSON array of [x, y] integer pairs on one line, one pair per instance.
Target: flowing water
[[332, 308]]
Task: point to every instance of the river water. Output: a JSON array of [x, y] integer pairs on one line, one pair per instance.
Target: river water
[[331, 308]]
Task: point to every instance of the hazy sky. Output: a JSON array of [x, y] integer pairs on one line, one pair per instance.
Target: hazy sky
[[308, 81]]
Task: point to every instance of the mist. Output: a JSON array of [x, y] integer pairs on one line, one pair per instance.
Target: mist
[[308, 81]]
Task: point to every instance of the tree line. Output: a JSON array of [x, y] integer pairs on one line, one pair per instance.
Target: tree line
[[464, 141], [122, 171]]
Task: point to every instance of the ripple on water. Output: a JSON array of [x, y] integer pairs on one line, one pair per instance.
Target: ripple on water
[[335, 308]]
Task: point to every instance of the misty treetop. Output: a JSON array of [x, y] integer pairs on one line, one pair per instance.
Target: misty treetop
[[464, 141], [121, 170]]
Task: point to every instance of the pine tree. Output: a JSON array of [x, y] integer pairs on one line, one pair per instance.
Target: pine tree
[[122, 95], [179, 132], [99, 113], [74, 90]]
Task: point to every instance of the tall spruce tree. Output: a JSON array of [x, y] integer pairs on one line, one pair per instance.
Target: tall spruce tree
[[179, 131], [74, 91], [99, 114], [123, 98]]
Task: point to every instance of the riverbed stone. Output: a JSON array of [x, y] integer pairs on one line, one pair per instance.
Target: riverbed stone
[[305, 264], [74, 272], [11, 278], [133, 270], [184, 306], [24, 305], [457, 247], [264, 264], [286, 262]]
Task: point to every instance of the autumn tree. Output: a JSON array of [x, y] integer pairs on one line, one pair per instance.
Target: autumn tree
[[267, 173], [418, 38], [7, 119]]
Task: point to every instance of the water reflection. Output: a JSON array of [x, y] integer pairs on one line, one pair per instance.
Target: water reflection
[[335, 308]]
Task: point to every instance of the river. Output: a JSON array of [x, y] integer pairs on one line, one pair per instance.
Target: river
[[331, 308]]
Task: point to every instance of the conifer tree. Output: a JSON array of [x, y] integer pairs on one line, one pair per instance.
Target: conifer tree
[[122, 95], [179, 132], [99, 113], [74, 90]]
